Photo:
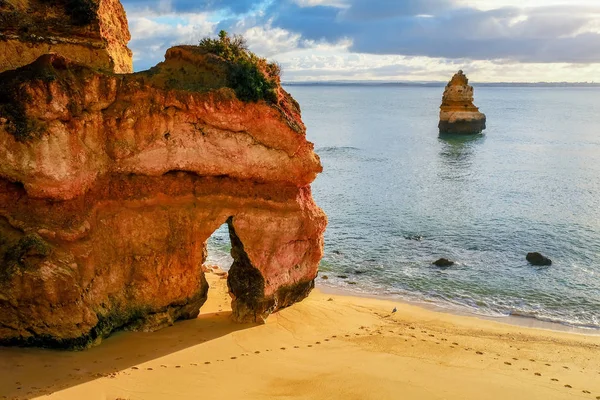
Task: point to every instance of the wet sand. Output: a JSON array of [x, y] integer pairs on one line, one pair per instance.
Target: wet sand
[[327, 347]]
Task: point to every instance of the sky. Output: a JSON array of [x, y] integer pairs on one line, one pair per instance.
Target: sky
[[387, 40]]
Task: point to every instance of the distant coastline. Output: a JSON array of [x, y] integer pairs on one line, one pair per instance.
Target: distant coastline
[[443, 84]]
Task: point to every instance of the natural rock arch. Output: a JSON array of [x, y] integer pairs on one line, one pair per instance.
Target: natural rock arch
[[110, 186], [129, 255]]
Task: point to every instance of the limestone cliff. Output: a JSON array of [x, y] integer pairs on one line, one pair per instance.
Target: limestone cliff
[[110, 186], [458, 114], [91, 32]]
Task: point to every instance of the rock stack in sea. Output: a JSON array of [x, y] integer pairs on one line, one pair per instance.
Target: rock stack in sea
[[458, 114], [110, 186]]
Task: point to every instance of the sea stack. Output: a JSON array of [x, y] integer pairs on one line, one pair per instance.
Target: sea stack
[[111, 184], [458, 114]]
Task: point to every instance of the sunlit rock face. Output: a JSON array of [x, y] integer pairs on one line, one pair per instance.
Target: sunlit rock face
[[458, 114], [91, 32], [110, 186]]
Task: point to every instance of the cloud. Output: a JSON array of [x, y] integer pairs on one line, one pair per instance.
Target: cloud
[[494, 40], [440, 28], [192, 6], [151, 37]]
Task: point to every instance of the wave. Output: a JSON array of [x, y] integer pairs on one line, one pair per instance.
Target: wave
[[485, 308], [337, 150]]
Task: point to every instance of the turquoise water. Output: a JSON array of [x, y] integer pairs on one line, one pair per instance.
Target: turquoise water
[[398, 197]]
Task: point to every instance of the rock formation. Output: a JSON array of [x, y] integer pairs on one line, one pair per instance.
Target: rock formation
[[110, 186], [538, 259], [458, 114], [91, 32]]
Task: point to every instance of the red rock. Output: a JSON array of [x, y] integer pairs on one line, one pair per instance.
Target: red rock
[[458, 114], [110, 186], [91, 32]]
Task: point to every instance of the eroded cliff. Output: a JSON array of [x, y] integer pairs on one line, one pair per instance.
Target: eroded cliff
[[111, 185], [92, 32], [458, 114]]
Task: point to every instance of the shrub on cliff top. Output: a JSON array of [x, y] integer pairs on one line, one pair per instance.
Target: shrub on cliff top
[[252, 77]]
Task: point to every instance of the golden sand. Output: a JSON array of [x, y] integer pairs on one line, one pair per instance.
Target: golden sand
[[327, 347]]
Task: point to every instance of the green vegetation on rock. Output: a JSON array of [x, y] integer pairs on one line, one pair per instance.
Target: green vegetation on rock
[[251, 77], [13, 96]]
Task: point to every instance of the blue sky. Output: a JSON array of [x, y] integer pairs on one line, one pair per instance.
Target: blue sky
[[417, 40]]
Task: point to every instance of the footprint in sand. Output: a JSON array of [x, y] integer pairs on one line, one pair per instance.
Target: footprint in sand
[[524, 369], [479, 352], [516, 359], [207, 362], [317, 342], [586, 392], [134, 368], [257, 352], [507, 363], [296, 347], [554, 380], [547, 365], [532, 360], [149, 369], [178, 366], [282, 348], [310, 345], [454, 343], [327, 340], [569, 386], [233, 358], [334, 336], [565, 367], [537, 374], [194, 364]]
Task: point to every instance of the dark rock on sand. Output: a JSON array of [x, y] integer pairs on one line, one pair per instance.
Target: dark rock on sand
[[538, 259]]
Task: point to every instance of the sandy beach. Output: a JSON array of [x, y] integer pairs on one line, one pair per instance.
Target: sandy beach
[[326, 347]]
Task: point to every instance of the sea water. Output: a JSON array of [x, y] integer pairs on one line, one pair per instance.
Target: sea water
[[399, 196]]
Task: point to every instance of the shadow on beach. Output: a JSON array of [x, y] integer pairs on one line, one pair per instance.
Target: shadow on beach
[[32, 372]]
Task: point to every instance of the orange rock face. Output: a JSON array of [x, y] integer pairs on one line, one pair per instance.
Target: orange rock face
[[458, 114], [91, 32], [110, 186]]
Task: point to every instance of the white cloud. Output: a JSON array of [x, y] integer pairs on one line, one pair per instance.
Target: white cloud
[[305, 60], [153, 35]]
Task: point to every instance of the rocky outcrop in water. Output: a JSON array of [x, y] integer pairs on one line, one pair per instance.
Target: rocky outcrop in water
[[538, 259], [110, 186], [443, 263], [458, 114], [91, 32]]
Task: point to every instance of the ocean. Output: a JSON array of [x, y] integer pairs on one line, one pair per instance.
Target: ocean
[[399, 196]]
